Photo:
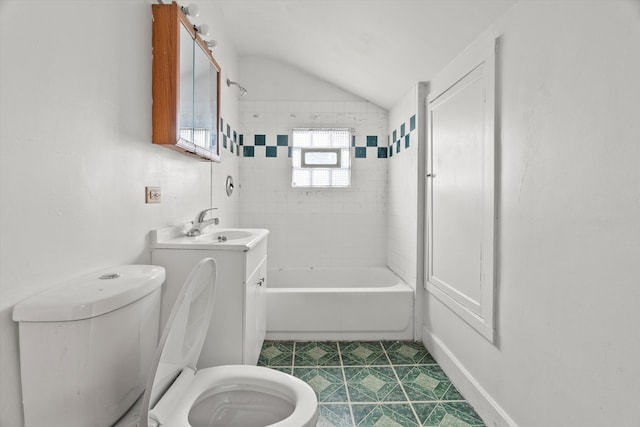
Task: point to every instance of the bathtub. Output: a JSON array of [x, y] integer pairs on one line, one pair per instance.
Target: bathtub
[[369, 303]]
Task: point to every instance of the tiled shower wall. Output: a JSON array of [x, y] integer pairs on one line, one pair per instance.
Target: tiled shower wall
[[402, 200], [313, 227]]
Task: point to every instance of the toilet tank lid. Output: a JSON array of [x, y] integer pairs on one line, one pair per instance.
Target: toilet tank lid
[[91, 295]]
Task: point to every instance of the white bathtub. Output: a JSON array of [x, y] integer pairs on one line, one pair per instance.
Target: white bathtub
[[369, 303]]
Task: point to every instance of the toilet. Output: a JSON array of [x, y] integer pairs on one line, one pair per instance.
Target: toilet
[[176, 393]]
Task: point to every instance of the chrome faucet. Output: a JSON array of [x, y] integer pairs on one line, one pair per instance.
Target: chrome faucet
[[200, 223]]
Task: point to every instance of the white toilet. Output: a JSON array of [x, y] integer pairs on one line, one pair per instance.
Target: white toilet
[[177, 394]]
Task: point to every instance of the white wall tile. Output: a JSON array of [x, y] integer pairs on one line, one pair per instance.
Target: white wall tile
[[317, 226]]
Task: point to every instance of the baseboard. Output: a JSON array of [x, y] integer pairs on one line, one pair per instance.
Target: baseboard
[[492, 413], [405, 335]]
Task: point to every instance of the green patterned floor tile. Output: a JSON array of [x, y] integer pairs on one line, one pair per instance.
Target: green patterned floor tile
[[363, 353], [452, 394], [316, 354], [328, 383], [448, 414], [423, 382], [384, 415], [373, 384], [407, 353], [276, 353], [334, 415]]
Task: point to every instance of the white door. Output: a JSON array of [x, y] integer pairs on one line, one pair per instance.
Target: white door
[[460, 195]]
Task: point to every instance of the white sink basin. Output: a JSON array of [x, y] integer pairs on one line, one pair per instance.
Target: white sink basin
[[238, 239], [225, 235]]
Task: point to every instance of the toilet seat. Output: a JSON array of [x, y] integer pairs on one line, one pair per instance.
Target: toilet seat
[[178, 394], [174, 409]]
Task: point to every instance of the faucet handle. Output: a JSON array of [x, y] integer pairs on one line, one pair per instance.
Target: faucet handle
[[202, 214]]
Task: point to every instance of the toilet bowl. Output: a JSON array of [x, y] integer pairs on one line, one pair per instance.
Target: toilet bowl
[[237, 395], [179, 395]]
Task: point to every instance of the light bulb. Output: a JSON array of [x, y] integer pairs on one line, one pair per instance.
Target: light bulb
[[203, 29], [191, 10]]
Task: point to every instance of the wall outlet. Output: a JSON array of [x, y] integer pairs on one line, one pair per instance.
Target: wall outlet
[[152, 194]]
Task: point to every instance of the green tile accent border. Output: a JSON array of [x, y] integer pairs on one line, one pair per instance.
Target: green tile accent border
[[248, 151], [361, 152], [282, 140], [382, 152], [372, 141], [271, 151], [259, 140], [396, 145], [229, 138]]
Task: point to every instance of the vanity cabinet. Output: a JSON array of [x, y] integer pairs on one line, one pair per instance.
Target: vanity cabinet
[[185, 86], [238, 322]]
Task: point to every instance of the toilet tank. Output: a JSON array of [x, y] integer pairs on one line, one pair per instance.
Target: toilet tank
[[86, 345]]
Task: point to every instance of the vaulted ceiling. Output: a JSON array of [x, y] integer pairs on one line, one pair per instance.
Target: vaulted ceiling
[[376, 49]]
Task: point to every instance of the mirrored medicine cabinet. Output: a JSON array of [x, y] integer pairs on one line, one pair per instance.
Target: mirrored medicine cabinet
[[185, 86]]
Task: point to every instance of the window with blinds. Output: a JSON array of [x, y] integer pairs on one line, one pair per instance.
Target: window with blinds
[[321, 158]]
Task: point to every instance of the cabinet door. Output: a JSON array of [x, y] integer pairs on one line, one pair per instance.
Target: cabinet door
[[186, 86], [254, 314], [185, 90], [205, 94]]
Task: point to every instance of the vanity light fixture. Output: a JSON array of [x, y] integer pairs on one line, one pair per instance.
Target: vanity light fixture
[[212, 44], [191, 10], [243, 91], [202, 29]]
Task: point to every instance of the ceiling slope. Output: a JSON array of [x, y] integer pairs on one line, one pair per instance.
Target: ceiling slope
[[375, 49]]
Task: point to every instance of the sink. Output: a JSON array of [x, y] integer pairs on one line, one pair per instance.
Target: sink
[[239, 239], [225, 235]]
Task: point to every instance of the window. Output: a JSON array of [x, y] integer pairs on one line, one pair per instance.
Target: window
[[321, 158]]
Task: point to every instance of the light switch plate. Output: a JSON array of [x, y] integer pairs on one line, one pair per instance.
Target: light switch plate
[[152, 194]]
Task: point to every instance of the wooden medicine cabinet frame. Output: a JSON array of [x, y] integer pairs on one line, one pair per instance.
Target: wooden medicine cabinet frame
[[173, 127]]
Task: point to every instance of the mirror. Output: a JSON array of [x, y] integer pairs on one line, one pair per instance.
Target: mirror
[[186, 86], [205, 95], [185, 119]]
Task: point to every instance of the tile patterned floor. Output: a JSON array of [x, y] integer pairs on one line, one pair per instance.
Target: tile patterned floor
[[373, 383]]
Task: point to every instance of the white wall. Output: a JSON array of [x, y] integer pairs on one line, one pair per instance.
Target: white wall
[[311, 227], [270, 80], [76, 153], [569, 225]]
